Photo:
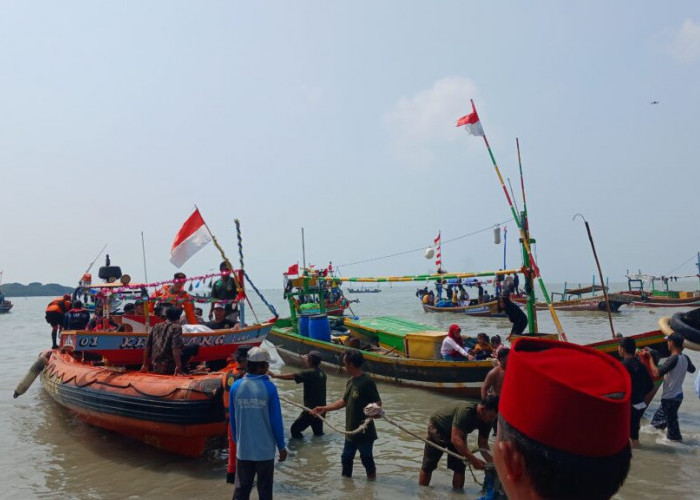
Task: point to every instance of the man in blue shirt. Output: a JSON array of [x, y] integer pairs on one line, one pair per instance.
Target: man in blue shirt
[[256, 427]]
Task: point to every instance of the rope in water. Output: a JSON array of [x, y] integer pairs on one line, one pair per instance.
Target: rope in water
[[373, 411]]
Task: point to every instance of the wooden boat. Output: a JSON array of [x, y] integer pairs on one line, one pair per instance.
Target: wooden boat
[[486, 310], [573, 300], [5, 305], [658, 298]]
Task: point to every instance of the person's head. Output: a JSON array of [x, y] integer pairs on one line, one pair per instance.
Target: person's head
[[219, 312], [353, 358], [224, 268], [482, 339], [241, 356], [454, 332], [198, 311], [576, 427], [138, 306], [487, 409], [178, 281], [258, 361], [502, 357], [78, 305], [627, 346], [173, 314], [496, 340], [675, 340], [128, 308], [313, 359], [67, 297]]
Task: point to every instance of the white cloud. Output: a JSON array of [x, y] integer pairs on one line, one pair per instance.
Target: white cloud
[[422, 121], [684, 44]]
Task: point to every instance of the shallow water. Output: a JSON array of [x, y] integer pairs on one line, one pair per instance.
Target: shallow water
[[47, 453]]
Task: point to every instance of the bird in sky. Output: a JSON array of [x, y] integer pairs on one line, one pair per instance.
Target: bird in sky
[[654, 102]]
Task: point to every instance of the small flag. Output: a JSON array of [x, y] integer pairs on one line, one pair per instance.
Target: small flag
[[192, 236], [293, 270], [471, 124]]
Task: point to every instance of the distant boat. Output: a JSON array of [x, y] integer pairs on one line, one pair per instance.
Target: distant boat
[[364, 290], [5, 305], [486, 309], [658, 298], [573, 299]]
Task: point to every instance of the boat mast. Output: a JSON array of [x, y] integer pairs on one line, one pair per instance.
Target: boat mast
[[303, 250], [529, 276]]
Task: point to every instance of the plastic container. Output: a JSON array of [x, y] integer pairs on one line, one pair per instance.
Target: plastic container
[[320, 327], [303, 326]]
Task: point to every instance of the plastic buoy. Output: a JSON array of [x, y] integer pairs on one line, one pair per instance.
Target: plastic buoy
[[31, 375], [429, 253]]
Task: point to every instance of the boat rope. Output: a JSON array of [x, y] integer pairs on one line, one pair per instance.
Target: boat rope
[[373, 411], [421, 249], [269, 306]]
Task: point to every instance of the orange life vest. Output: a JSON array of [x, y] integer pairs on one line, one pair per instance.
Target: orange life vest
[[60, 305]]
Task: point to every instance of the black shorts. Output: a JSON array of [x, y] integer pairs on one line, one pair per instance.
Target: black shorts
[[54, 318], [431, 455]]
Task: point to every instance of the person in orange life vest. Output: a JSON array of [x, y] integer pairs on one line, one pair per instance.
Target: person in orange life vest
[[77, 318], [452, 348], [238, 371], [564, 422], [177, 296], [55, 316]]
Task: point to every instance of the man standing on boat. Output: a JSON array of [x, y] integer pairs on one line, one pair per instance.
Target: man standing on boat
[[359, 392], [163, 351], [225, 289], [55, 315], [176, 295], [514, 313], [256, 427], [448, 428], [314, 380], [77, 318]]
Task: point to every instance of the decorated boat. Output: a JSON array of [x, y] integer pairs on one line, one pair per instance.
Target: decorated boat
[[98, 374], [575, 299], [663, 297]]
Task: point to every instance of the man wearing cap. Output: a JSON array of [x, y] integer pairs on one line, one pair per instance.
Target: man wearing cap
[[641, 385], [225, 289], [256, 427], [360, 391], [448, 427], [563, 425], [220, 321], [673, 371], [314, 380]]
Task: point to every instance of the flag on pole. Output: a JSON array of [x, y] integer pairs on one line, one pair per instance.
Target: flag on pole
[[191, 237], [438, 253], [471, 124], [293, 270]]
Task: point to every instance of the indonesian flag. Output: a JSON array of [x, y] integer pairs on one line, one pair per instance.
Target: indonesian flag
[[293, 270], [471, 124], [191, 237]]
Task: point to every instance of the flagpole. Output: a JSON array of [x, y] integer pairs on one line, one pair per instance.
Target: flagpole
[[531, 299], [524, 239], [143, 252]]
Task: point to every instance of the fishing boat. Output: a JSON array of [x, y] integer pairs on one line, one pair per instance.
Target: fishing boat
[[5, 305], [653, 297], [364, 290], [485, 310], [97, 374], [574, 299]]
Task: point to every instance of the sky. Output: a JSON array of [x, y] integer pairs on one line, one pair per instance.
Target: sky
[[118, 117]]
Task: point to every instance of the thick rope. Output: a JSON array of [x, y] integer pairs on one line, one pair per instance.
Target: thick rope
[[363, 426]]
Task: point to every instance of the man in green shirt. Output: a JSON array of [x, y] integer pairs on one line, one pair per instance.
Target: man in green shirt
[[359, 392], [314, 380], [448, 427], [225, 289]]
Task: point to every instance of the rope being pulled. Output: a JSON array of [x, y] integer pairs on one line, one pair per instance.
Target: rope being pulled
[[373, 410]]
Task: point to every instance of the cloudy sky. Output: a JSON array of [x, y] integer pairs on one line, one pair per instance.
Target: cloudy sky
[[117, 118]]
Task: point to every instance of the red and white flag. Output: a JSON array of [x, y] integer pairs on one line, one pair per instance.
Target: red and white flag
[[191, 237], [438, 253], [471, 124]]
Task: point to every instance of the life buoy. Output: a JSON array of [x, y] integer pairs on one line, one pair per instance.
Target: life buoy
[[687, 324]]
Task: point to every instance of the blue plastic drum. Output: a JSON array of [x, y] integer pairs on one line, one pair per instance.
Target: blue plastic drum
[[304, 325], [320, 327]]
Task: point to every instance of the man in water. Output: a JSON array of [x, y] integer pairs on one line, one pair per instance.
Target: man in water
[[256, 427], [314, 380], [641, 385], [562, 432], [448, 427], [359, 392], [494, 379]]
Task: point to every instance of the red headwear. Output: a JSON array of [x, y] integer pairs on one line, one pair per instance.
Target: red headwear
[[454, 334], [567, 397]]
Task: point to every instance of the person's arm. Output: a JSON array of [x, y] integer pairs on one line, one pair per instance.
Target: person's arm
[[177, 348], [336, 405], [276, 420], [146, 353], [232, 410], [484, 447], [488, 383], [282, 376], [459, 441], [691, 366]]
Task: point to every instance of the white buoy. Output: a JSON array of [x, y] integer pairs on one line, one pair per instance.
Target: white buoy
[[31, 375], [497, 235], [429, 253]]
